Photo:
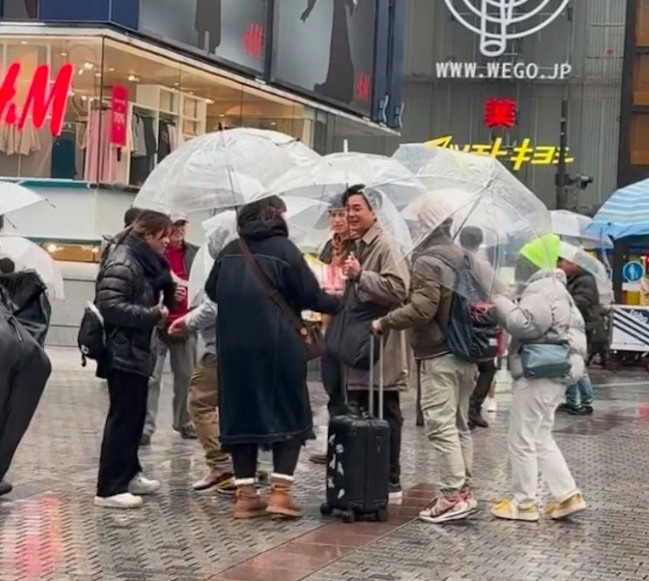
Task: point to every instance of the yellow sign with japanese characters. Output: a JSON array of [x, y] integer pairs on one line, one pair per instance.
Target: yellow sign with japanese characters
[[520, 155]]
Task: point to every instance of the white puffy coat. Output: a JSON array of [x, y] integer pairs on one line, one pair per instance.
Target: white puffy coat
[[544, 309]]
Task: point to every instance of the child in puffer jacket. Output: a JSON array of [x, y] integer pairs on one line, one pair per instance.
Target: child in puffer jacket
[[545, 310]]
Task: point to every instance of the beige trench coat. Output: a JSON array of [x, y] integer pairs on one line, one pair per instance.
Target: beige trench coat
[[384, 280]]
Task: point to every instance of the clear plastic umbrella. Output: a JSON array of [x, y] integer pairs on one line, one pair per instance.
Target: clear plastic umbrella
[[581, 258], [477, 192], [15, 197], [29, 256], [221, 170], [574, 228], [331, 175]]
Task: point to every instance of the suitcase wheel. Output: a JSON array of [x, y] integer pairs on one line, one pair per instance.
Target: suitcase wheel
[[326, 509], [382, 515], [349, 516]]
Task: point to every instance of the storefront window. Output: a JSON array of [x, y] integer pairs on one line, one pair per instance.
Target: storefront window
[[43, 150], [640, 139]]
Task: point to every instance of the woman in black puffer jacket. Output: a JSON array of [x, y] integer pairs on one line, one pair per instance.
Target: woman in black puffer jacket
[[129, 287]]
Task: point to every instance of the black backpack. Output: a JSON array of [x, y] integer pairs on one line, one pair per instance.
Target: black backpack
[[472, 333], [92, 335]]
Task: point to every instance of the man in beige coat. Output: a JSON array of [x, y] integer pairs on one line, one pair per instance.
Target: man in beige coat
[[379, 275]]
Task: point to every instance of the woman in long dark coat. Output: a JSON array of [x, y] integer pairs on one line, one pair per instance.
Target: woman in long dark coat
[[263, 396]]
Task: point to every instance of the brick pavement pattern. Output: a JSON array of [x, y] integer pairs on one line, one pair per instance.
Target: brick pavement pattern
[[50, 531]]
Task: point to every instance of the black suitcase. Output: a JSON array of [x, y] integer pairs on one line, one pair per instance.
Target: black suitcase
[[358, 460]]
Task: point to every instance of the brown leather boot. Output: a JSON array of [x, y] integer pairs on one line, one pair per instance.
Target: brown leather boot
[[281, 503], [248, 502]]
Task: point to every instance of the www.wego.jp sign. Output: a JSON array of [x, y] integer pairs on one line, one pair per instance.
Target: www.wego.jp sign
[[46, 97], [499, 21]]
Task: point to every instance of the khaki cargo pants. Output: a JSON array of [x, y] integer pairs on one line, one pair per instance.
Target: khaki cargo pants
[[204, 411]]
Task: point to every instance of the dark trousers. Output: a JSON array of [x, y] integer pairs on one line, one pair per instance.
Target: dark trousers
[[119, 463], [392, 414], [486, 375], [285, 457], [334, 384]]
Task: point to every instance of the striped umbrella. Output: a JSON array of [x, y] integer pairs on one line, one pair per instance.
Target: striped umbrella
[[625, 213]]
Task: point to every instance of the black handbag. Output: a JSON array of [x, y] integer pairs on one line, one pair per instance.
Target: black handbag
[[349, 335], [25, 296]]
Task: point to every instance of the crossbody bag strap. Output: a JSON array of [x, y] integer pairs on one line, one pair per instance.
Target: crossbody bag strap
[[272, 292]]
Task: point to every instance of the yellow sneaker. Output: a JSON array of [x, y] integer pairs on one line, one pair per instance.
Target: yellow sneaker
[[567, 508], [507, 510]]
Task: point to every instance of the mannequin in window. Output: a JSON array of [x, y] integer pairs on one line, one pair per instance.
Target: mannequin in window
[[208, 21], [339, 84]]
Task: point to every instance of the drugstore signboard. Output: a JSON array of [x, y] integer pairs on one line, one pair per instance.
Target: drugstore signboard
[[520, 155], [47, 97]]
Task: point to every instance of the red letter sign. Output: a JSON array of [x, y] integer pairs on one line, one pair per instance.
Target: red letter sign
[[500, 113]]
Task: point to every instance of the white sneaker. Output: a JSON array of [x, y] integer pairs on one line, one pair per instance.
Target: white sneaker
[[121, 501], [142, 486], [491, 405]]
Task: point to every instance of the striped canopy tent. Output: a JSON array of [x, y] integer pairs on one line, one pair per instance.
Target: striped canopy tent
[[625, 214]]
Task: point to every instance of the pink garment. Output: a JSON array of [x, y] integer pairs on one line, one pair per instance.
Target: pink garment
[[101, 156], [334, 282]]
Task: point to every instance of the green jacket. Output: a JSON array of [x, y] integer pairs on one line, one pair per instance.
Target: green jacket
[[427, 312]]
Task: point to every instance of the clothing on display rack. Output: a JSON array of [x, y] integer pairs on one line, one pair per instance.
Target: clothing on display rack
[[144, 149], [15, 141], [101, 156], [64, 153], [169, 138]]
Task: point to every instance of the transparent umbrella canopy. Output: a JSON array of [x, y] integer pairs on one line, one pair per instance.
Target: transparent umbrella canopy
[[580, 257], [475, 192], [329, 176], [221, 170], [15, 197], [29, 256]]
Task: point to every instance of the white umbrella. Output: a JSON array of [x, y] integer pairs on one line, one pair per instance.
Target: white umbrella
[[29, 256], [329, 176], [15, 197], [574, 228], [221, 170], [588, 263]]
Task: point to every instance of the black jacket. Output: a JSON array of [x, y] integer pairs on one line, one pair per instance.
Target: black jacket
[[584, 291], [263, 396], [127, 290]]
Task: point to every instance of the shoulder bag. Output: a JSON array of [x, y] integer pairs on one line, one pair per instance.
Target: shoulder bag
[[310, 334], [548, 358]]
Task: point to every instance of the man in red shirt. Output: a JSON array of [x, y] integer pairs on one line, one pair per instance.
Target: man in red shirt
[[181, 350]]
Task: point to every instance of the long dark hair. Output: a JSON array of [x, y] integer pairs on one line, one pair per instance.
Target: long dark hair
[[147, 222], [268, 211]]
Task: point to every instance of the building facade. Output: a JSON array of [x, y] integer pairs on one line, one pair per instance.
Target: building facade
[[95, 93], [466, 73]]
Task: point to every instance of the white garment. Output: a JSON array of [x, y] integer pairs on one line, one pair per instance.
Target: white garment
[[531, 443]]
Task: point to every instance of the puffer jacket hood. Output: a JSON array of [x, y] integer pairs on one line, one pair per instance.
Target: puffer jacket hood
[[545, 312]]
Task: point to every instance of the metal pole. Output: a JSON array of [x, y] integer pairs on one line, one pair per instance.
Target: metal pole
[[562, 177]]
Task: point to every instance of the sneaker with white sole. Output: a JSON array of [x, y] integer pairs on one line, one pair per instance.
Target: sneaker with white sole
[[491, 405], [141, 486], [212, 479], [395, 492], [120, 501], [507, 509], [569, 507], [472, 503], [444, 509]]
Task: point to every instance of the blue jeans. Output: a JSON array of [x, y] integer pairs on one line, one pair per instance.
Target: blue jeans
[[580, 393]]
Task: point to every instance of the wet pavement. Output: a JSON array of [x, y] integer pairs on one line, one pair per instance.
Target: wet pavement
[[50, 531]]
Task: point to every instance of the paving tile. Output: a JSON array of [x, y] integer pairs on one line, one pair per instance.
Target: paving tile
[[50, 531]]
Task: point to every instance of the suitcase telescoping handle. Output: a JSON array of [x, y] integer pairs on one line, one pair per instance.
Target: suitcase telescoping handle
[[381, 377]]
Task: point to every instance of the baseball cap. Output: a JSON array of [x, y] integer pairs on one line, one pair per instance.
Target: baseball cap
[[178, 219]]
